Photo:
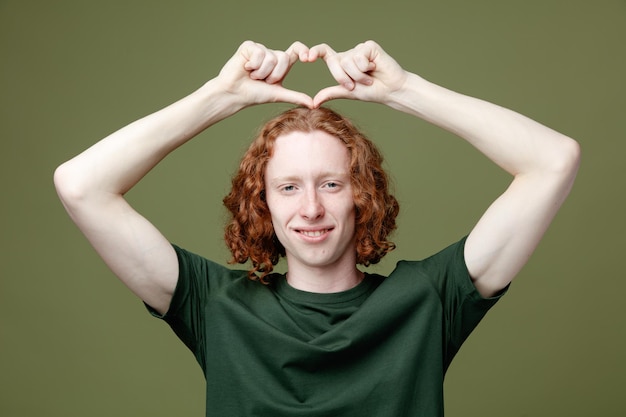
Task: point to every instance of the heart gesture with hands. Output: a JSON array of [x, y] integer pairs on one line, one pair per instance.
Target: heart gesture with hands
[[307, 188], [366, 72]]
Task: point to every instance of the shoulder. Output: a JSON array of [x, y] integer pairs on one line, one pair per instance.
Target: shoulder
[[446, 261], [203, 273]]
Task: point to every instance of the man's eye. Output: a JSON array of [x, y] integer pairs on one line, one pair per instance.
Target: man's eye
[[332, 185], [289, 188]]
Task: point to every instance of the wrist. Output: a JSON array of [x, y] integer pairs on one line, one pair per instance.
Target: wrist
[[411, 96], [218, 101]]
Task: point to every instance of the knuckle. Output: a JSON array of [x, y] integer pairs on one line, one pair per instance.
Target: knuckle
[[248, 45]]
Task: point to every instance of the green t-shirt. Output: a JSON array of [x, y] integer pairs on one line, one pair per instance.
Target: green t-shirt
[[379, 349]]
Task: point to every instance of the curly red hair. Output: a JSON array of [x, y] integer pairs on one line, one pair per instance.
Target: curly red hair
[[250, 234]]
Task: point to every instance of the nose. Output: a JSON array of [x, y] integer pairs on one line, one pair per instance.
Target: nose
[[311, 207]]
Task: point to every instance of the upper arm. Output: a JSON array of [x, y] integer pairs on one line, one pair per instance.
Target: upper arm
[[509, 231], [130, 245]]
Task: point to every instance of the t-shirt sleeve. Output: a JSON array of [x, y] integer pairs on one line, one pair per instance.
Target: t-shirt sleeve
[[463, 306], [185, 314]]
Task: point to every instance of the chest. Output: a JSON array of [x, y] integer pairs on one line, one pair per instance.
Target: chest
[[350, 356]]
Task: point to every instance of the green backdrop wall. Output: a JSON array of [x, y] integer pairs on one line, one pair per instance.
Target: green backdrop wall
[[75, 342]]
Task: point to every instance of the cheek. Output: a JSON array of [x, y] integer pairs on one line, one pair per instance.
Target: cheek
[[348, 212], [271, 202], [279, 211]]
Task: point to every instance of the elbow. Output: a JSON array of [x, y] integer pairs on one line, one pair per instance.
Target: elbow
[[569, 160], [561, 160], [556, 165], [67, 185], [563, 165]]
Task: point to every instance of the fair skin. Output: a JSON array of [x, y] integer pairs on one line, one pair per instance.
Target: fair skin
[[92, 185], [543, 163], [307, 182]]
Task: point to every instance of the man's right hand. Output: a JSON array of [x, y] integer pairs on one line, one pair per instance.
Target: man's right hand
[[254, 75]]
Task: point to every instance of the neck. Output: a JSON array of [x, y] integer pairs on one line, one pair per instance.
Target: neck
[[321, 280]]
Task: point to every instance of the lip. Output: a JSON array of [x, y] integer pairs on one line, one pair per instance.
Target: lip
[[313, 234]]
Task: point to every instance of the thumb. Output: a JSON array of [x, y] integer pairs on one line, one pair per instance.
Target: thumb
[[331, 93], [285, 95]]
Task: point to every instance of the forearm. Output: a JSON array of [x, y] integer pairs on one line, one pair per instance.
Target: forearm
[[543, 162], [514, 142], [92, 184]]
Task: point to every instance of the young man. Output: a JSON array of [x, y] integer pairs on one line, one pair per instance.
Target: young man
[[325, 339]]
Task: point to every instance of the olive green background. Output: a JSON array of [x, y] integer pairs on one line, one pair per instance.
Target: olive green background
[[75, 342]]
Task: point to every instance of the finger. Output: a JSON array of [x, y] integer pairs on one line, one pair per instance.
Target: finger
[[343, 66], [284, 95], [338, 72], [254, 54], [322, 51], [266, 66], [365, 57], [331, 93], [280, 69], [297, 51], [365, 65], [355, 67]]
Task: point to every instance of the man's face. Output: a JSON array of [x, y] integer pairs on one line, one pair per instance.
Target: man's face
[[308, 191]]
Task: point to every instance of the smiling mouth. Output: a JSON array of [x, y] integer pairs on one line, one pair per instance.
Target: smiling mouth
[[313, 233]]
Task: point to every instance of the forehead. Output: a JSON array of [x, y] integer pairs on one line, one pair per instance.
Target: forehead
[[307, 152]]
